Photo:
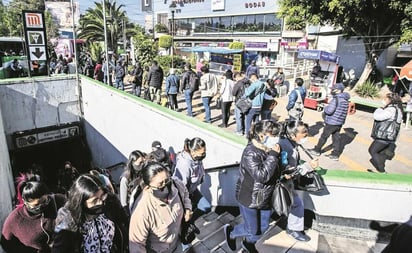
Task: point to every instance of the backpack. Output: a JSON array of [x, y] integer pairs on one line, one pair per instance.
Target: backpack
[[193, 81], [297, 110]]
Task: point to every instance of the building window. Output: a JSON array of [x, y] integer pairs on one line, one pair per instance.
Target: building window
[[272, 23]]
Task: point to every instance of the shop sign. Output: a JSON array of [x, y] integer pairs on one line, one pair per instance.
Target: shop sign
[[299, 44], [255, 4]]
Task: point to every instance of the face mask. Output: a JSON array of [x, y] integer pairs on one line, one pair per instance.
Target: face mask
[[199, 157], [302, 141], [270, 141], [95, 210], [163, 192], [38, 208]]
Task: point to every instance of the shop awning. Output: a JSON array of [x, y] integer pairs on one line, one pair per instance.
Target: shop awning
[[215, 50]]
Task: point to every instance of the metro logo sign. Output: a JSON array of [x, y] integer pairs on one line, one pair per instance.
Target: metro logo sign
[[34, 20]]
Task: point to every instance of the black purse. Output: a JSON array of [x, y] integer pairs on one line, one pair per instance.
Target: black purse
[[282, 197], [244, 104], [311, 182], [386, 130], [188, 230]]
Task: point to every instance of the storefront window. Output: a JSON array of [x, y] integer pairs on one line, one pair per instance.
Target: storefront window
[[200, 25], [183, 27], [272, 23], [212, 25], [225, 25]]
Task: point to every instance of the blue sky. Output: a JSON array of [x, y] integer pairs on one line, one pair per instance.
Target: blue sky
[[131, 7]]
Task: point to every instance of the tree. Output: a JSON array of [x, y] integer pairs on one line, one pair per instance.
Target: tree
[[12, 23], [145, 49], [165, 41], [92, 24], [377, 23]]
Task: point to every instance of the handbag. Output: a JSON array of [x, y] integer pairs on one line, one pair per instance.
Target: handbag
[[244, 104], [386, 130], [311, 182], [219, 103], [282, 197], [188, 230]]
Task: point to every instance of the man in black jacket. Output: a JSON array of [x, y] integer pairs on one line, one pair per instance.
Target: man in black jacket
[[186, 89], [155, 80], [238, 90]]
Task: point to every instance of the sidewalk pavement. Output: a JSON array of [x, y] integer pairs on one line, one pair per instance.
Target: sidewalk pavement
[[355, 136]]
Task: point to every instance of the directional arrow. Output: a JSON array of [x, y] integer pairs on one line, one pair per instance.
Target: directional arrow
[[37, 53]]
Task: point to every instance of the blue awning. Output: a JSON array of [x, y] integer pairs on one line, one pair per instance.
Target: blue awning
[[318, 55], [215, 50]]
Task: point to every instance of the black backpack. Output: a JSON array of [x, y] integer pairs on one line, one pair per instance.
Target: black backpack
[[193, 81]]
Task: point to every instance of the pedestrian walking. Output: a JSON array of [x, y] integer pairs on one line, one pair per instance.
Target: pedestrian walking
[[296, 100], [238, 91], [172, 88], [188, 87], [226, 97], [256, 90], [387, 121], [155, 80], [335, 116], [208, 88]]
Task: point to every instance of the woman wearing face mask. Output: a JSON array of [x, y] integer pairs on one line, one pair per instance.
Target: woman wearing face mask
[[92, 220], [189, 169], [130, 177], [383, 145], [156, 221], [30, 227], [296, 134], [258, 174]]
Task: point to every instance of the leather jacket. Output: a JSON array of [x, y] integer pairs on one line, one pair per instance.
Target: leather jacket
[[259, 171]]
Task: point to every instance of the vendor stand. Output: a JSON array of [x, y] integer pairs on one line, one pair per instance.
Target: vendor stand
[[323, 76]]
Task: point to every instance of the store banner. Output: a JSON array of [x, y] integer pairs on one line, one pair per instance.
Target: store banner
[[218, 5]]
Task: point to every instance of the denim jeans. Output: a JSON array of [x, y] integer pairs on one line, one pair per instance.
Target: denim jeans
[[255, 223], [206, 105], [240, 120], [200, 204], [251, 117], [296, 215], [188, 100], [137, 89], [173, 101], [119, 83], [329, 130]]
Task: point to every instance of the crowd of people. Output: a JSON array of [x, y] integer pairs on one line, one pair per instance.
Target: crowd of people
[[159, 190]]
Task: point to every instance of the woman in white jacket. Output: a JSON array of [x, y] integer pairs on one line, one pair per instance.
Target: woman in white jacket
[[225, 94]]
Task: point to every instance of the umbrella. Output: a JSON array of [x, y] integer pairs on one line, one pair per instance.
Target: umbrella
[[406, 71]]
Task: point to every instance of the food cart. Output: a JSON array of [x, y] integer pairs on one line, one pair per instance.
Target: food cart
[[323, 76]]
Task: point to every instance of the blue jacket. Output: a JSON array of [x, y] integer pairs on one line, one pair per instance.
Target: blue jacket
[[172, 84], [336, 112], [254, 88], [293, 97]]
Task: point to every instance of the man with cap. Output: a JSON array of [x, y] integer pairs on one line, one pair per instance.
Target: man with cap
[[335, 115]]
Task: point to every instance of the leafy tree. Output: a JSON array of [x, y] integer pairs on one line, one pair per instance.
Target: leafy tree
[[92, 24], [145, 49], [11, 19], [165, 41], [377, 23]]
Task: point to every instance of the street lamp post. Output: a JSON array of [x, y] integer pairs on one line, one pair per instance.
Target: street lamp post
[[172, 8], [105, 42]]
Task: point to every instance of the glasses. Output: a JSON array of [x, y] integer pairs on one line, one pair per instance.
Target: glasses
[[161, 184]]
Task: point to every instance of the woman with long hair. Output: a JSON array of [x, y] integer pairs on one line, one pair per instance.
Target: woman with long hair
[[130, 177], [92, 220], [156, 221], [189, 169], [383, 145], [30, 227], [258, 174]]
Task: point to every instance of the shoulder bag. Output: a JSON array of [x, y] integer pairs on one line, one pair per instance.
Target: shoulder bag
[[245, 103], [282, 197], [188, 229], [386, 130], [312, 181], [297, 109]]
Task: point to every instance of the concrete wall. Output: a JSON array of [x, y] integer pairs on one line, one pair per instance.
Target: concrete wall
[[7, 186], [38, 102], [117, 123]]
